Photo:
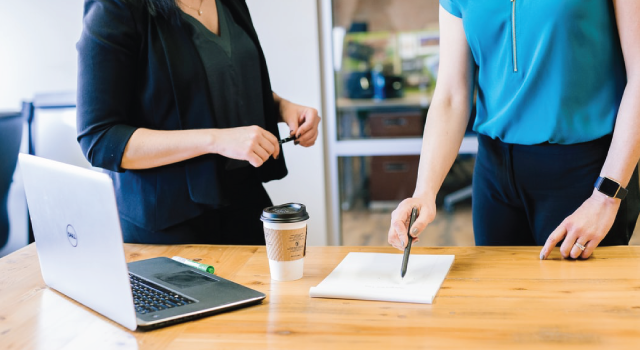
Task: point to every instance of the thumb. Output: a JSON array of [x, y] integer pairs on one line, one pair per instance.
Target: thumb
[[420, 224]]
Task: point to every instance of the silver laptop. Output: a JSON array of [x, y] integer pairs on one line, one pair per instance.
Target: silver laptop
[[79, 241]]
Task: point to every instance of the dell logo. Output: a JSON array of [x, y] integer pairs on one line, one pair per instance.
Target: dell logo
[[72, 236]]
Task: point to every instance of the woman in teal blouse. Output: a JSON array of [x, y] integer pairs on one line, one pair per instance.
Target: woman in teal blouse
[[557, 110]]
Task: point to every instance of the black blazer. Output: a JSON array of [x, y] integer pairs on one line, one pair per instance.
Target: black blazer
[[140, 69]]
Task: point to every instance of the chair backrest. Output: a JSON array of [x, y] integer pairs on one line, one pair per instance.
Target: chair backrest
[[10, 137], [53, 132]]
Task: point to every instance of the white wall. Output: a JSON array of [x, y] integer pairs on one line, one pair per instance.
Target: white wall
[[37, 48], [37, 54], [288, 31]]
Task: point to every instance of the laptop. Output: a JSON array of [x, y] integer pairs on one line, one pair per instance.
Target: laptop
[[79, 241]]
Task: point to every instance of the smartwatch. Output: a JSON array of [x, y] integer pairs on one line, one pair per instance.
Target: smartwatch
[[610, 187]]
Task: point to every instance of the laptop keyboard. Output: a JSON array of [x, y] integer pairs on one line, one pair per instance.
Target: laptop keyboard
[[150, 297]]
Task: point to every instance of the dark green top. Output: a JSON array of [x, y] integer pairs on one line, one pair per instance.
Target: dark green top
[[232, 65]]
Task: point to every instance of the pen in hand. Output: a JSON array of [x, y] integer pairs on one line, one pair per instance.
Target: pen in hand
[[285, 140], [407, 249]]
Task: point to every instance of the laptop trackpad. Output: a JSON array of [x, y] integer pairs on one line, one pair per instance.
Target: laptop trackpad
[[184, 279]]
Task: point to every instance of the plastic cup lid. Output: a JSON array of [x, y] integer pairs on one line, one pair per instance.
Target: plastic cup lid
[[285, 213]]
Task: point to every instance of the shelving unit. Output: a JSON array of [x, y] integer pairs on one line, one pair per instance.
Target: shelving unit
[[340, 142]]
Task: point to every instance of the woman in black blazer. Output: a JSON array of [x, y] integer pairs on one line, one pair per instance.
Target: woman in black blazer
[[175, 102]]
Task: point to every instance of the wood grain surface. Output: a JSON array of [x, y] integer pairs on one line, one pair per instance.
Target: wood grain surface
[[493, 298]]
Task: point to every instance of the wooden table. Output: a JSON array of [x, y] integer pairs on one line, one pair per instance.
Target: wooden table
[[493, 298]]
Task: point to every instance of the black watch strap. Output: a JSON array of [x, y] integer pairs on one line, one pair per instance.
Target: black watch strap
[[610, 187]]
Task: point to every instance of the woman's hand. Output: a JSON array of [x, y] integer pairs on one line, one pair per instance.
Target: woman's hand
[[302, 121], [587, 226], [250, 143], [400, 220]]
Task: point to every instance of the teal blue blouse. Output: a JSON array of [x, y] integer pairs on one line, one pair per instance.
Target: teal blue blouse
[[548, 70]]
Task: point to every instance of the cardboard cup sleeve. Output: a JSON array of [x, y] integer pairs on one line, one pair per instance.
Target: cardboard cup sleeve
[[286, 245]]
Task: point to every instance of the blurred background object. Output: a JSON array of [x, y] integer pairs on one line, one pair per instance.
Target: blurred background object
[[10, 136], [52, 129], [385, 58]]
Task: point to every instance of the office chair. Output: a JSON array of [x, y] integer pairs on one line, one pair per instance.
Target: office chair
[[10, 137]]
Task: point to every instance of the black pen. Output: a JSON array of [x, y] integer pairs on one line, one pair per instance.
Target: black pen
[[407, 249], [285, 140]]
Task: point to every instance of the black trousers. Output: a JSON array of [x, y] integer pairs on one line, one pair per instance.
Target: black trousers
[[237, 224], [522, 193]]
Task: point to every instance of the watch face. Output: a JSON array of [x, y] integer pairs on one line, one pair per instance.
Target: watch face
[[608, 187]]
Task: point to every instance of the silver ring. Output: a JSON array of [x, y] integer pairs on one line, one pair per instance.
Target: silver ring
[[580, 246]]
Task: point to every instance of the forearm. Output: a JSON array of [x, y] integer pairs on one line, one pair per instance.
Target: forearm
[[153, 148], [277, 100], [450, 108], [443, 133], [624, 151]]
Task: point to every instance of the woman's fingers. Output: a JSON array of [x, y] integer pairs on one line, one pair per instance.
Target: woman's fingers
[[396, 241], [307, 132], [588, 249], [308, 139], [422, 221], [578, 247], [261, 145], [251, 143], [577, 251], [568, 244], [400, 220], [398, 229], [393, 239], [307, 121], [262, 153], [266, 144], [254, 159], [256, 155], [270, 143], [572, 246], [556, 236], [587, 227]]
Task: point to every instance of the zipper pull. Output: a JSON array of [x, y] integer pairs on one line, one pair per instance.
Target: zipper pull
[[513, 35]]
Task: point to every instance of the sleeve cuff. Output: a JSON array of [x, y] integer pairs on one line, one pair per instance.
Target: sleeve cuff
[[112, 144]]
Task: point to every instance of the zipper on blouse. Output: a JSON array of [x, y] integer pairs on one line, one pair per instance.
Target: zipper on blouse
[[513, 35]]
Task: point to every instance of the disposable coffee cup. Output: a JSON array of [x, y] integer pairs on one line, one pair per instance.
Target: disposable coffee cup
[[285, 233]]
